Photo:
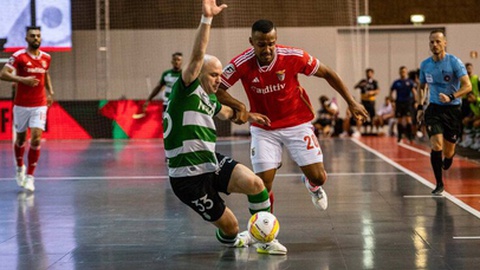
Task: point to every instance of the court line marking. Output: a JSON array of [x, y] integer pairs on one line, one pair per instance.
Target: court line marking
[[95, 178], [146, 177], [466, 237], [422, 180], [341, 174], [423, 196], [414, 149]]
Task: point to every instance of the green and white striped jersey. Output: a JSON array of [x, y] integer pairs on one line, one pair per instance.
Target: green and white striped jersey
[[189, 131], [169, 77]]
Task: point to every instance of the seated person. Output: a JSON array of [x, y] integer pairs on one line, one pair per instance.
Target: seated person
[[326, 117], [351, 126], [386, 114], [472, 123]]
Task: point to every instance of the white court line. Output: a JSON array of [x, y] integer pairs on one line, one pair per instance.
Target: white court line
[[95, 178], [341, 174], [466, 237], [422, 180], [423, 196], [414, 149]]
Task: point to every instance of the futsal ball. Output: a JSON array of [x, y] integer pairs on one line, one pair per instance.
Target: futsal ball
[[263, 226]]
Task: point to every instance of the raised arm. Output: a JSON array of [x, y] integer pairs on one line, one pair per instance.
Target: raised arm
[[194, 66]]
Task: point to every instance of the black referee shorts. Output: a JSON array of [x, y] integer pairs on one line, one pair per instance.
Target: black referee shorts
[[444, 119]]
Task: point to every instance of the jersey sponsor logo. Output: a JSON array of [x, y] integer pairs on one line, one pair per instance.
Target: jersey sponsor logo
[[310, 60], [429, 78], [253, 152], [281, 75], [269, 88], [35, 70], [29, 63], [255, 80], [228, 71]]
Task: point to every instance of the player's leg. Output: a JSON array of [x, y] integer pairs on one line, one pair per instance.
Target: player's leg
[[305, 150], [244, 181], [20, 117], [266, 156], [37, 123]]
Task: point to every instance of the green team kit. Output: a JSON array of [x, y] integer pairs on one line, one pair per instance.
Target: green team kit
[[189, 130], [169, 77]]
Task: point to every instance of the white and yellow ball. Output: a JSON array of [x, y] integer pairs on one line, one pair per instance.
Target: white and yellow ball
[[263, 226]]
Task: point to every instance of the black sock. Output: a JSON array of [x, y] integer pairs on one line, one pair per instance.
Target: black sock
[[409, 131], [447, 162], [399, 131], [436, 161]]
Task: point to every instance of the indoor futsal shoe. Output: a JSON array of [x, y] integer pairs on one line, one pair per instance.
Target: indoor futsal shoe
[[271, 248], [438, 190], [29, 183], [20, 175], [319, 196]]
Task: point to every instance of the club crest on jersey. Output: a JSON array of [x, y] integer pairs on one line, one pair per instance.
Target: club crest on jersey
[[228, 71], [44, 64], [281, 75], [253, 151]]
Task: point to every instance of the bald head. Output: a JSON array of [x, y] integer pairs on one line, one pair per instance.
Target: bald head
[[210, 75]]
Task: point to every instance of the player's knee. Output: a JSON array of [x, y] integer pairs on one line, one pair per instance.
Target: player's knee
[[35, 142], [319, 179], [257, 185]]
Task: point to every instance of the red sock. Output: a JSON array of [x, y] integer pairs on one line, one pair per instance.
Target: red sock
[[19, 151], [33, 155], [272, 199]]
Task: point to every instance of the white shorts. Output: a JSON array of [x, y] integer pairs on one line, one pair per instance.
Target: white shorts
[[267, 146], [29, 117]]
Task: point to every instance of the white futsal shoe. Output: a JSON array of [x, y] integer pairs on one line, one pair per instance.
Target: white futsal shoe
[[29, 183], [271, 248], [243, 240], [319, 196], [20, 175]]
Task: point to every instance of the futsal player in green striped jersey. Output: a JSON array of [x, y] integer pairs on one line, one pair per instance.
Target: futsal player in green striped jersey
[[197, 173]]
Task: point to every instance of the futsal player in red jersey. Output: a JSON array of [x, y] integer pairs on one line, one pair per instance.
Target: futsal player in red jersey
[[269, 74], [29, 69]]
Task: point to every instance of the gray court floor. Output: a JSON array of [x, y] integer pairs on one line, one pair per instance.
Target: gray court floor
[[108, 205]]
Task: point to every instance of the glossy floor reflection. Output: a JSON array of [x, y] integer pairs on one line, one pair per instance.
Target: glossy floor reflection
[[108, 205]]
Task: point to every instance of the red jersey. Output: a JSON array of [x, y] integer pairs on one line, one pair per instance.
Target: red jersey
[[26, 64], [274, 90]]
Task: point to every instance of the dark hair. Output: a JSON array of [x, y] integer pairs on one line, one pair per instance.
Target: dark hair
[[438, 31], [369, 69], [323, 99], [177, 54], [28, 28], [468, 64], [402, 67], [264, 26]]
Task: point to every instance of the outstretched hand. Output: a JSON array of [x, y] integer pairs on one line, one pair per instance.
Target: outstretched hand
[[259, 119], [359, 112], [210, 8]]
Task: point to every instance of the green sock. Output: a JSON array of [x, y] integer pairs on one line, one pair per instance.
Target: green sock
[[225, 239], [259, 202]]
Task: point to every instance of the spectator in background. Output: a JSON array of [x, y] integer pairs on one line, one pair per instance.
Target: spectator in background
[[326, 117], [385, 115], [368, 90], [471, 123], [405, 94], [168, 78]]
